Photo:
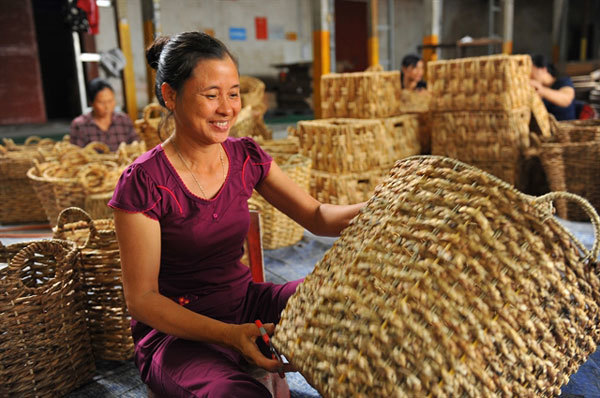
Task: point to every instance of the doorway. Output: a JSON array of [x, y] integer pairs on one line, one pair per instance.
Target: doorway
[[351, 32]]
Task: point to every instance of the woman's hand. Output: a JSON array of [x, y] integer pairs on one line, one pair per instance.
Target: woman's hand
[[243, 338]]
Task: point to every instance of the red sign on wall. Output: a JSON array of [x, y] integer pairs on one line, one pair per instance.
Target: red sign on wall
[[261, 28]]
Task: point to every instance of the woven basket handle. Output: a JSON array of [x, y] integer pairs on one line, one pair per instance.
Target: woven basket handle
[[61, 250], [590, 211], [150, 109], [72, 214]]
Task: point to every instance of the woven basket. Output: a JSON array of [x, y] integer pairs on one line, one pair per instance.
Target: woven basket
[[363, 95], [278, 229], [252, 91], [248, 124], [44, 344], [154, 129], [483, 139], [448, 283], [18, 201], [347, 188], [541, 117], [495, 82], [574, 167], [413, 101], [575, 130], [107, 317]]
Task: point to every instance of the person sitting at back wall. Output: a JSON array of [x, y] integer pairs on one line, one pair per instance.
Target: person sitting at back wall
[[557, 93], [412, 73], [103, 123]]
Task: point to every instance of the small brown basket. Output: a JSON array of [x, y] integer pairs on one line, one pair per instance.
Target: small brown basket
[[278, 229], [154, 127], [18, 201], [252, 91], [107, 317], [573, 166], [346, 188], [44, 344]]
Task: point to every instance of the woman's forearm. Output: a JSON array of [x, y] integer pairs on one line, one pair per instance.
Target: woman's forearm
[[558, 97], [330, 220], [163, 314]]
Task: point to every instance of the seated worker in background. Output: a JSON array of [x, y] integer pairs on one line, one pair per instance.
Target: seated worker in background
[[412, 73], [103, 123], [557, 93]]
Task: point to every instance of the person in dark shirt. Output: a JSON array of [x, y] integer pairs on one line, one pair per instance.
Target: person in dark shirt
[[103, 123], [412, 73], [557, 93]]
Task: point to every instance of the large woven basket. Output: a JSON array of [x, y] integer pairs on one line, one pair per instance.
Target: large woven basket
[[448, 283], [574, 166], [489, 140], [346, 188], [18, 201], [363, 95], [107, 317], [248, 124], [278, 229], [45, 348], [495, 82], [154, 127]]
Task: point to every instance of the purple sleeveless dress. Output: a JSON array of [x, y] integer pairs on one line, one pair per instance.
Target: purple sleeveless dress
[[201, 245]]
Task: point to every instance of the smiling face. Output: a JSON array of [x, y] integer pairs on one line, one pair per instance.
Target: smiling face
[[414, 73], [208, 103]]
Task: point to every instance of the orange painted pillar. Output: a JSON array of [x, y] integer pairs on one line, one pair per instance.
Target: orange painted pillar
[[373, 39], [321, 50], [433, 22], [508, 11]]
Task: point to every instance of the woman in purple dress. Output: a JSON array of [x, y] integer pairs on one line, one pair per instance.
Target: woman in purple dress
[[181, 217]]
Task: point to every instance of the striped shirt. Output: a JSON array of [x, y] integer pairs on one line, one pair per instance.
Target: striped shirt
[[84, 130]]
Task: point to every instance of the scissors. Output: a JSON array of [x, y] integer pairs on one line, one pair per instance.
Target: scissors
[[267, 340]]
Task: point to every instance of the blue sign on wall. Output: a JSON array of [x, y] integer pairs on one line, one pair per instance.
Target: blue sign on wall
[[237, 34]]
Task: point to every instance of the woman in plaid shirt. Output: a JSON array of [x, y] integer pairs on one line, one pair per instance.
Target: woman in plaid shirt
[[103, 123]]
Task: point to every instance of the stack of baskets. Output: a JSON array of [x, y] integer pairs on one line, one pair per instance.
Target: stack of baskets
[[449, 282], [44, 344], [481, 111], [108, 321], [571, 161], [18, 201], [154, 127], [278, 229]]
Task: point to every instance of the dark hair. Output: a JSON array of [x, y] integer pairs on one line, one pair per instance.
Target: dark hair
[[540, 61], [410, 60], [95, 86], [175, 58]]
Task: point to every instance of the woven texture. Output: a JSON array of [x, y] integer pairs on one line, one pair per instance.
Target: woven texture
[[250, 124], [448, 283], [571, 161], [107, 317], [278, 229], [44, 344], [346, 188], [154, 127], [495, 82], [489, 140], [18, 201], [252, 91], [364, 95]]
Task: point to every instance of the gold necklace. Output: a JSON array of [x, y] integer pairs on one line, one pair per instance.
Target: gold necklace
[[192, 173]]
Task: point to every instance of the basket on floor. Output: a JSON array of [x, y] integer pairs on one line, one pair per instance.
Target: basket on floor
[[107, 317], [44, 344], [278, 229], [449, 282], [154, 127], [573, 166], [18, 201]]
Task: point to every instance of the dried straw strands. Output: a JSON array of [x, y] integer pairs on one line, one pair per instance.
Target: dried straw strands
[[448, 283], [495, 82], [363, 95]]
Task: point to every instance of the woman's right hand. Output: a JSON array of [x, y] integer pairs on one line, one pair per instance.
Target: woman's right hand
[[243, 338]]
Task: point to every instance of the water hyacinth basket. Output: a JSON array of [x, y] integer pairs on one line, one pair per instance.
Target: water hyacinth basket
[[448, 283]]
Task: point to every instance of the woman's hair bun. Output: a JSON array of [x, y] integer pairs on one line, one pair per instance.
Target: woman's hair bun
[[153, 52]]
